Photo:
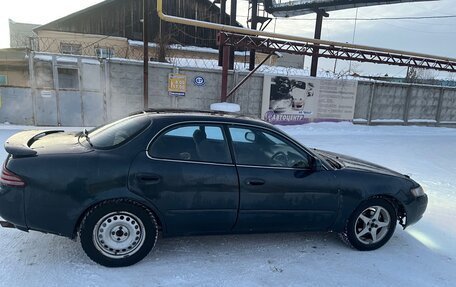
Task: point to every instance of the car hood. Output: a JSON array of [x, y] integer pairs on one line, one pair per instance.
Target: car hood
[[359, 164]]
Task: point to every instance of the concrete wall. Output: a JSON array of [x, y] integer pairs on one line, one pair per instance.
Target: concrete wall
[[126, 89], [391, 103], [113, 89]]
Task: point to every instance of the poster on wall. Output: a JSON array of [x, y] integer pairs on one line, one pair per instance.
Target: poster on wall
[[299, 100], [177, 84]]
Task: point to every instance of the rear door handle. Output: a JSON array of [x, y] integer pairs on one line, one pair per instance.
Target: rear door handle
[[148, 178], [255, 181]]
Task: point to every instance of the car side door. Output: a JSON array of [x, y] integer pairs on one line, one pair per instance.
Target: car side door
[[188, 174], [280, 187]]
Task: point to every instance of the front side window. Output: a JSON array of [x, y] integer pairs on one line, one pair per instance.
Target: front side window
[[261, 148], [202, 143]]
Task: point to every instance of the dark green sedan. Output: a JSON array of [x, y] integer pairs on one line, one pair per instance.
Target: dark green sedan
[[184, 173]]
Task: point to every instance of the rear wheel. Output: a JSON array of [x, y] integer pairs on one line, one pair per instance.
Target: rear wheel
[[371, 225], [118, 233]]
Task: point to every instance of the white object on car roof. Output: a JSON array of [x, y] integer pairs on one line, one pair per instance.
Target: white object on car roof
[[226, 107]]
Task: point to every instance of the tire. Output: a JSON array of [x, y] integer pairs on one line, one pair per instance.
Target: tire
[[118, 233], [371, 225]]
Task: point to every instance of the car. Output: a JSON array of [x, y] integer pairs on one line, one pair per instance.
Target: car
[[192, 173]]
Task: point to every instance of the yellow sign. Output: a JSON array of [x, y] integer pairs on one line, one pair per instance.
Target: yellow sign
[[177, 84]]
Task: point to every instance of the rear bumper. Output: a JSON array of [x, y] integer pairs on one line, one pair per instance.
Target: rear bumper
[[12, 206], [416, 209]]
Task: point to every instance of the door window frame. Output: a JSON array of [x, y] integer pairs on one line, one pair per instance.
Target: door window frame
[[225, 127]]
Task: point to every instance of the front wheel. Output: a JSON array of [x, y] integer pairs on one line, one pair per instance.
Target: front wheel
[[118, 233], [371, 225]]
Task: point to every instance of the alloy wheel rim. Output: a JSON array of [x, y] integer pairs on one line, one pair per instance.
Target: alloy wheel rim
[[372, 225], [119, 234]]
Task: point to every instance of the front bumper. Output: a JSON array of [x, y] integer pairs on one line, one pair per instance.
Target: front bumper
[[416, 209]]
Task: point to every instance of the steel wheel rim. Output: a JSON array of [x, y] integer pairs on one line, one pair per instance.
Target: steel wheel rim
[[119, 234], [372, 225]]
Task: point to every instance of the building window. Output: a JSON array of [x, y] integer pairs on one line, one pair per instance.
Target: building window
[[71, 49], [104, 52], [68, 78], [3, 80]]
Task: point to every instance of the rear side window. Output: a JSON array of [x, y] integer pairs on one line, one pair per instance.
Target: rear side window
[[203, 143], [119, 132]]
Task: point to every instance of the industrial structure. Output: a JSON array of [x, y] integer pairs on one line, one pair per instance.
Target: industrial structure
[[273, 42]]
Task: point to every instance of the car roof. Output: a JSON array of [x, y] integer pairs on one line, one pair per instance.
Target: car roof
[[202, 115]]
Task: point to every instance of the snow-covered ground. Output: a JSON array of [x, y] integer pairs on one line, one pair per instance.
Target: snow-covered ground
[[423, 255]]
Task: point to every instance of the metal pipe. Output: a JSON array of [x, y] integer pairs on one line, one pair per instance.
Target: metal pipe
[[248, 76], [225, 67], [222, 21], [233, 29], [233, 22], [253, 26]]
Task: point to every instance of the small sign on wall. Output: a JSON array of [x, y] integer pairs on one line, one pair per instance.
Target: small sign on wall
[[177, 84], [199, 81], [47, 94]]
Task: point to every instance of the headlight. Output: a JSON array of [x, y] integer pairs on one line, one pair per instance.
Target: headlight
[[417, 192]]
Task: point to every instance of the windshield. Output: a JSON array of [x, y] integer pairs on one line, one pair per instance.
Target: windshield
[[117, 133]]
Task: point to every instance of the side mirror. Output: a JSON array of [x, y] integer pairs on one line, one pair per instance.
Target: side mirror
[[315, 163], [250, 137]]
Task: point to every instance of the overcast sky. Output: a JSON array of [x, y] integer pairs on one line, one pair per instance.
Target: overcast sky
[[431, 36]]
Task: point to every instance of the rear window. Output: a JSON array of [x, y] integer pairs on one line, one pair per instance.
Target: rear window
[[119, 132]]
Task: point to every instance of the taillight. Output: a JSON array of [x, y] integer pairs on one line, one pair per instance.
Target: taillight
[[10, 179]]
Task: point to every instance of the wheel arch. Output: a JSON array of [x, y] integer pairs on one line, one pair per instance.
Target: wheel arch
[[141, 203], [348, 208], [396, 203]]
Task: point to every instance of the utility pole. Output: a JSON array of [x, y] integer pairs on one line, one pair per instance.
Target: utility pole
[[146, 8], [318, 26], [353, 40]]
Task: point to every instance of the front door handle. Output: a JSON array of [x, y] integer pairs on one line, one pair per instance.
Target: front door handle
[[255, 181]]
